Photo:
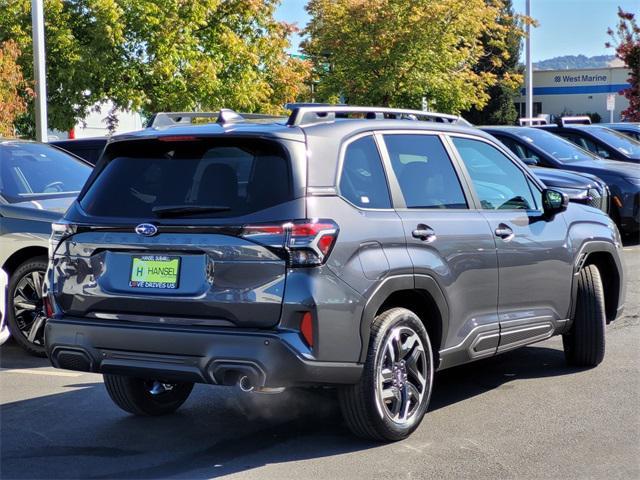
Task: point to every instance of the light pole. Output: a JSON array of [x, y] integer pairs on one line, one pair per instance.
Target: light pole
[[39, 69], [528, 68]]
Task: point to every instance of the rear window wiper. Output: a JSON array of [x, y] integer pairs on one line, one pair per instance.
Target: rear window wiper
[[186, 210]]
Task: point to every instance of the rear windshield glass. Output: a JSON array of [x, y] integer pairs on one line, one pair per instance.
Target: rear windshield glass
[[223, 178]]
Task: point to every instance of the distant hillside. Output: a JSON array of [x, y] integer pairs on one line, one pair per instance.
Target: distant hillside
[[569, 62]]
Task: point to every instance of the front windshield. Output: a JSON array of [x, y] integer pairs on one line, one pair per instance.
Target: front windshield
[[562, 150], [617, 140], [31, 171]]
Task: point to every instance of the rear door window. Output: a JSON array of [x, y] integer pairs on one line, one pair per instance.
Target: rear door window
[[424, 171], [362, 180], [229, 177]]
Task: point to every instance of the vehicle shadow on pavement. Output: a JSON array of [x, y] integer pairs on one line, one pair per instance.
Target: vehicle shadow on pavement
[[461, 383], [79, 433]]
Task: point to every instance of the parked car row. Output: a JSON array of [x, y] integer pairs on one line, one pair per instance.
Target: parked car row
[[542, 148], [611, 186]]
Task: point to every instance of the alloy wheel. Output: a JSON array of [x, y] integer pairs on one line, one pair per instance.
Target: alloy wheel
[[28, 307], [402, 375]]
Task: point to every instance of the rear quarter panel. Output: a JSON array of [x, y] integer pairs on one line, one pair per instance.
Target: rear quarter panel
[[19, 233]]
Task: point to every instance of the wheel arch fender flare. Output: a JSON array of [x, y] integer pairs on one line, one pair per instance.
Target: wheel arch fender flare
[[398, 283], [586, 252]]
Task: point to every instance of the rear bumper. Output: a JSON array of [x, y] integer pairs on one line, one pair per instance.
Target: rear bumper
[[201, 355]]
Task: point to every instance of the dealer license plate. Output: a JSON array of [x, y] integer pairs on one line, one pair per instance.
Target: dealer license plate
[[155, 271]]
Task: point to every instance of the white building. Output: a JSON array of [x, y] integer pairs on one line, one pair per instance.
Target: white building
[[95, 123], [574, 92]]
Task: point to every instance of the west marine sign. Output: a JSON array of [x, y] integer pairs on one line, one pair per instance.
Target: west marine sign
[[576, 82], [584, 78]]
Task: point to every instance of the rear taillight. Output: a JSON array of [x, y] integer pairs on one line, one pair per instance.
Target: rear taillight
[[48, 306], [307, 242], [59, 231]]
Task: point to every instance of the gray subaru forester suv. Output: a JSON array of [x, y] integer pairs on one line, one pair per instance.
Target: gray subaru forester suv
[[356, 247]]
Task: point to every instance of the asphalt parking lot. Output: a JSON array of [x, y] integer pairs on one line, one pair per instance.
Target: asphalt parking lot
[[520, 415]]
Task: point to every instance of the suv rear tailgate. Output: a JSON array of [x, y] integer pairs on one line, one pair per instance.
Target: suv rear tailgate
[[220, 279], [157, 237]]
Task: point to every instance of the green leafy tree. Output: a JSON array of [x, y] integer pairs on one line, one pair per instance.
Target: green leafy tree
[[153, 55], [626, 41], [500, 59], [395, 52]]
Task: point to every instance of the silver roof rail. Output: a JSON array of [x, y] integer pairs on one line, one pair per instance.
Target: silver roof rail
[[223, 117], [581, 120], [529, 121], [306, 114]]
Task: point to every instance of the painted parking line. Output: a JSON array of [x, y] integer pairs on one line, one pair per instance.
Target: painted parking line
[[52, 373]]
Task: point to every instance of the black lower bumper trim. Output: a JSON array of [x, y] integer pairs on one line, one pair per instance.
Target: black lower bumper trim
[[214, 356]]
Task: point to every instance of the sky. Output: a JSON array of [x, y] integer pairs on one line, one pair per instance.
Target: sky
[[566, 27]]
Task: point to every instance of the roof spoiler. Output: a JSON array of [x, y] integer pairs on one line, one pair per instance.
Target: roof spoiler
[[310, 113], [581, 120], [530, 121]]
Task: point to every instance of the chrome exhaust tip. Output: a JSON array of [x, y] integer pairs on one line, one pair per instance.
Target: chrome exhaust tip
[[245, 384]]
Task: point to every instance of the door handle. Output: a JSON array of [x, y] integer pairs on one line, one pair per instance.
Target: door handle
[[424, 233], [504, 232]]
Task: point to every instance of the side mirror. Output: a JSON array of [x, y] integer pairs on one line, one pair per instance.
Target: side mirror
[[532, 162], [554, 202]]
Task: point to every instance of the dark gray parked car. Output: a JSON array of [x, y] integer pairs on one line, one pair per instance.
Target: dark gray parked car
[[37, 184], [601, 141], [362, 253]]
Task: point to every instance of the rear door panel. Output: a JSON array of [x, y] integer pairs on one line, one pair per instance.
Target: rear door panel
[[460, 252]]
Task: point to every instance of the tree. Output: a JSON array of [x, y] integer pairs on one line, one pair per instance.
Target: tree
[[153, 55], [13, 88], [501, 59], [626, 40], [395, 52]]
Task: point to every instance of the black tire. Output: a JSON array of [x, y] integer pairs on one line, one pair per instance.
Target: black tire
[[19, 320], [364, 411], [584, 343], [134, 395]]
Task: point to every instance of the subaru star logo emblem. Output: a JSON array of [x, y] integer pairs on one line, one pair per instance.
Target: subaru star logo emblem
[[146, 229]]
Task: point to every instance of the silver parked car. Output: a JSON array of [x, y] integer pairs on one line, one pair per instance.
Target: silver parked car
[[37, 184]]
